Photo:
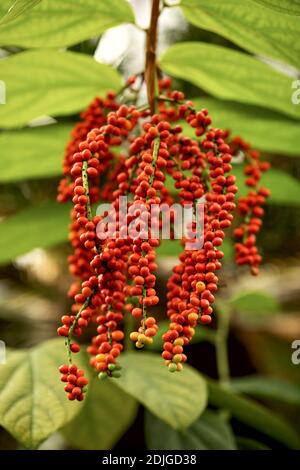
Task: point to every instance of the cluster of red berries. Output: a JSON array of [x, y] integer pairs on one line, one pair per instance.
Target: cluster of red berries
[[250, 207], [193, 283], [94, 117], [75, 381], [117, 271]]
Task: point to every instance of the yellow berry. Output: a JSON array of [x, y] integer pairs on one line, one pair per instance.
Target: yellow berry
[[179, 367], [192, 317], [134, 336], [142, 338], [139, 345], [178, 342], [200, 286], [177, 358]]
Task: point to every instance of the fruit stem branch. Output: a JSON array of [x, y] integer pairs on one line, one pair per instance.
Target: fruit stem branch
[[151, 43], [74, 324], [172, 100], [85, 184], [154, 158]]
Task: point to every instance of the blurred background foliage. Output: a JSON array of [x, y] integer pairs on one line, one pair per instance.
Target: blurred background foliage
[[238, 59]]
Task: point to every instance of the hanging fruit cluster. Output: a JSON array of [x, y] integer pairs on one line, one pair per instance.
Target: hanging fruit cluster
[[120, 151]]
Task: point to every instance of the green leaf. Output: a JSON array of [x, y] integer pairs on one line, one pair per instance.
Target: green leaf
[[61, 23], [36, 227], [289, 7], [230, 75], [174, 248], [252, 27], [47, 82], [33, 152], [106, 414], [19, 7], [254, 302], [33, 403], [268, 387], [178, 398], [253, 415], [209, 432], [266, 130], [285, 189], [169, 248], [244, 443]]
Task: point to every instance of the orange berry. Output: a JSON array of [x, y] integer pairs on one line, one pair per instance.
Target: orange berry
[[117, 335], [150, 332], [150, 321]]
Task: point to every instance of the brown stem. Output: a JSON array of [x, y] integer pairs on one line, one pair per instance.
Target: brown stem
[[150, 68]]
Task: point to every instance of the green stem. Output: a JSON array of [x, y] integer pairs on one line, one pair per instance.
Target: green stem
[[206, 178], [85, 184], [221, 347], [74, 324], [143, 306], [172, 100], [154, 158], [143, 107]]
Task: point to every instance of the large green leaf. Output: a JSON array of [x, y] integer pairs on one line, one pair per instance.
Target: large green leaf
[[289, 7], [17, 8], [266, 130], [105, 416], [285, 189], [209, 432], [173, 248], [47, 82], [178, 398], [38, 226], [252, 27], [244, 443], [230, 75], [33, 152], [253, 415], [255, 302], [58, 23], [33, 403], [269, 388], [169, 248]]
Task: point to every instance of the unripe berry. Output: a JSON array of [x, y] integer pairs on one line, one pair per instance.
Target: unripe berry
[[172, 367]]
